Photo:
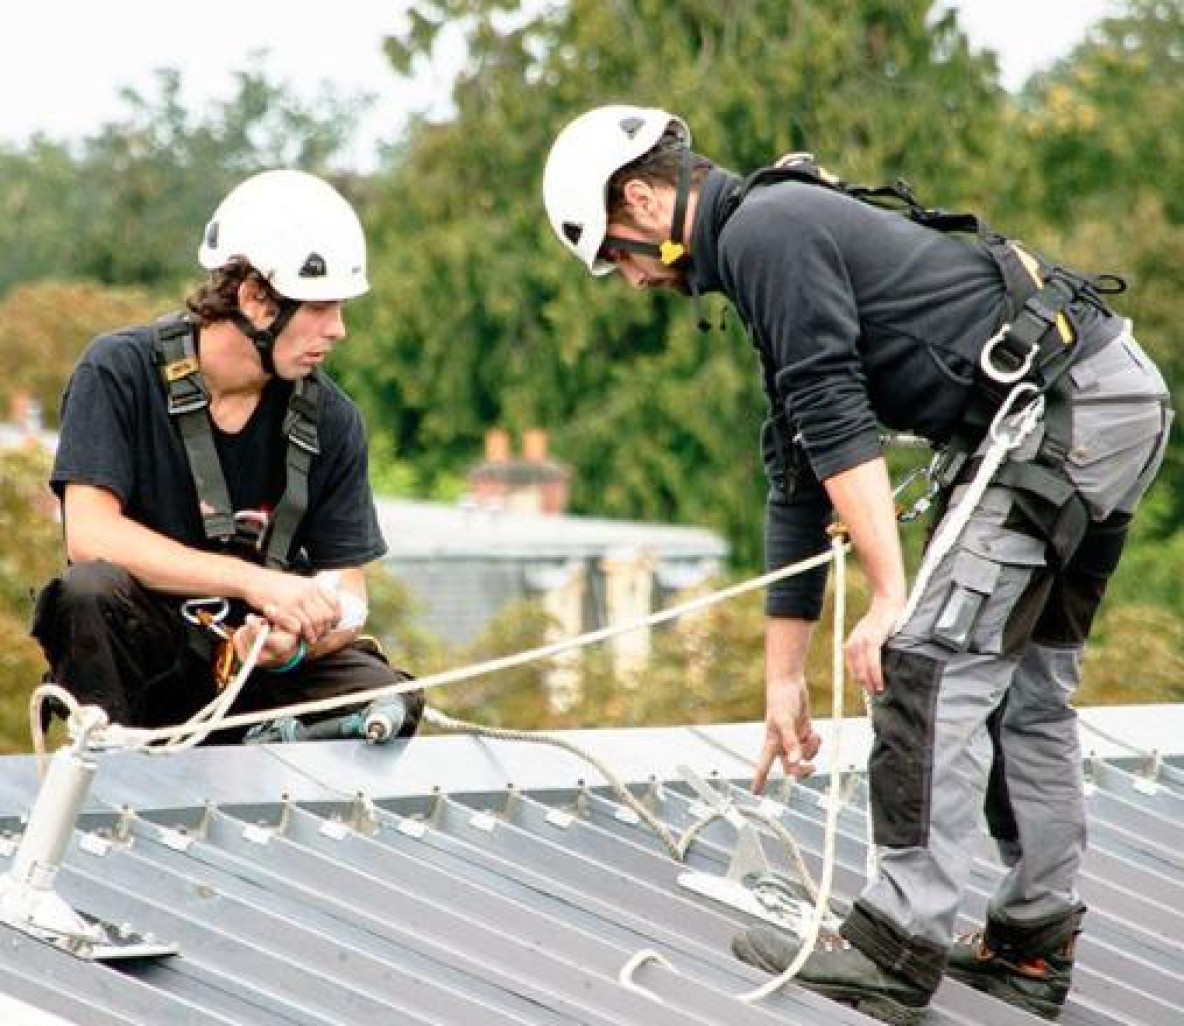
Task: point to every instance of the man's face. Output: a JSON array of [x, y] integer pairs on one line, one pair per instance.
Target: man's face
[[308, 338], [640, 271], [646, 217]]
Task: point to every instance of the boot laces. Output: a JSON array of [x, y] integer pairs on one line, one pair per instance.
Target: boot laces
[[832, 940]]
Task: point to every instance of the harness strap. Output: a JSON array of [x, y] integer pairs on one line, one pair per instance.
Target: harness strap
[[175, 343], [300, 427], [1046, 497], [188, 398]]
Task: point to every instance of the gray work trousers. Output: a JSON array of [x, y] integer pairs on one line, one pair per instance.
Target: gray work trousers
[[980, 678]]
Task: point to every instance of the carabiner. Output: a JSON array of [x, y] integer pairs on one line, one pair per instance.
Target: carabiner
[[208, 612], [992, 371], [1026, 418]]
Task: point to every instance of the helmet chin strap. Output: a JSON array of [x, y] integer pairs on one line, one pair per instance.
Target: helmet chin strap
[[673, 252], [265, 338]]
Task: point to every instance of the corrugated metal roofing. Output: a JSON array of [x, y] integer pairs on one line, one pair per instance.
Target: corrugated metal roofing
[[481, 882]]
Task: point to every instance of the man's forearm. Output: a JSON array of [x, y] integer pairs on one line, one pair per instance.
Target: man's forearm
[[862, 498], [787, 644], [165, 565]]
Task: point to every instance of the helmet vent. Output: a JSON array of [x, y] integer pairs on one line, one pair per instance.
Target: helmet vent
[[314, 266], [572, 232], [631, 126], [212, 235]]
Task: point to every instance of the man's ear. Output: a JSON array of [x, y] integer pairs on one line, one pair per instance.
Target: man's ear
[[254, 301], [640, 198]]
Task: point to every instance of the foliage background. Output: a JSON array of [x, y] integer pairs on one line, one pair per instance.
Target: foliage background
[[476, 319]]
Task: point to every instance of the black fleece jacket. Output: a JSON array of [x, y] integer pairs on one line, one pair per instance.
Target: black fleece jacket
[[863, 318]]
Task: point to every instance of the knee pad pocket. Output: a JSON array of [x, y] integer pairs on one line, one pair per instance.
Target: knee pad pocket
[[901, 763]]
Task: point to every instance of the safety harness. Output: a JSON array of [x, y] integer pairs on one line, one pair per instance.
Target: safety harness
[[1036, 345], [174, 340]]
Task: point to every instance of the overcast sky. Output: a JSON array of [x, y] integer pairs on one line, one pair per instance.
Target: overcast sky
[[65, 60]]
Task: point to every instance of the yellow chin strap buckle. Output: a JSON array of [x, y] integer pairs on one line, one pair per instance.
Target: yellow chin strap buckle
[[671, 252]]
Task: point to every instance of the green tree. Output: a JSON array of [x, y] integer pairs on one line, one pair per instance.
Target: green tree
[[485, 321], [126, 206], [1107, 182], [45, 326], [30, 553]]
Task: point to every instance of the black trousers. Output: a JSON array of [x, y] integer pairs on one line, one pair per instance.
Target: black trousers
[[112, 642]]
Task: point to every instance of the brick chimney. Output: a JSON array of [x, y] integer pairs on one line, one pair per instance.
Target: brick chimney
[[531, 483], [497, 445]]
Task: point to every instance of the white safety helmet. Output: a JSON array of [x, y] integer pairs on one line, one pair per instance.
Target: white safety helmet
[[584, 156], [296, 230]]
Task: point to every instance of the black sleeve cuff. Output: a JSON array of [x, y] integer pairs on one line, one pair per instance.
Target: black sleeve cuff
[[860, 449], [795, 529]]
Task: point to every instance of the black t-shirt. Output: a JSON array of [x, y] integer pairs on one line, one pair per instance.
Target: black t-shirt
[[117, 434]]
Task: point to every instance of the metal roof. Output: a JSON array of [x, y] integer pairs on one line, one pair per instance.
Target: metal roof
[[459, 880]]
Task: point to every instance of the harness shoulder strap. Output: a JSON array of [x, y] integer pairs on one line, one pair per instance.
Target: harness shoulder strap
[[300, 428], [897, 196], [173, 340]]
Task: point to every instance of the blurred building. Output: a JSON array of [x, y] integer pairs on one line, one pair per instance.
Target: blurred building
[[24, 427], [509, 540]]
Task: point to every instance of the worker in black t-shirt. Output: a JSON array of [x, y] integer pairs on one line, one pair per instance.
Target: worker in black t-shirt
[[207, 456]]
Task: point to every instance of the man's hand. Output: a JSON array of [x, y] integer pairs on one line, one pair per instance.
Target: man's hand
[[865, 642], [300, 606], [789, 732], [278, 649]]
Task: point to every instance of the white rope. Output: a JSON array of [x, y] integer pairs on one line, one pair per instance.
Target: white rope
[[120, 736], [210, 718], [625, 976], [445, 722], [1021, 424], [42, 694], [185, 735], [821, 905]]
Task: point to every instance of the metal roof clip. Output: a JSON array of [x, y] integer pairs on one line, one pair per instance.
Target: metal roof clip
[[363, 817], [1091, 773], [1147, 782]]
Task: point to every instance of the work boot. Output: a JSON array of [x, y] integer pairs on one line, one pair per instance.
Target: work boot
[[1030, 967], [838, 971]]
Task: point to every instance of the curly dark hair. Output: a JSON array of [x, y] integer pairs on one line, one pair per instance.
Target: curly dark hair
[[216, 298], [657, 166]]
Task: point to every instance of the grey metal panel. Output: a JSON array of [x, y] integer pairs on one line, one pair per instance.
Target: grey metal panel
[[463, 936], [94, 993], [360, 957], [230, 955], [492, 908]]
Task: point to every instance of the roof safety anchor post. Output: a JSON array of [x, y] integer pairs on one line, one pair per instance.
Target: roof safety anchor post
[[583, 800], [750, 884], [28, 901]]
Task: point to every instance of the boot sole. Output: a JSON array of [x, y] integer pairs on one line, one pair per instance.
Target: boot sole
[[880, 1007], [997, 987]]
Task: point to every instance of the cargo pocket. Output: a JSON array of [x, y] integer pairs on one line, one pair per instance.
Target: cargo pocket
[[990, 571], [1115, 453]]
